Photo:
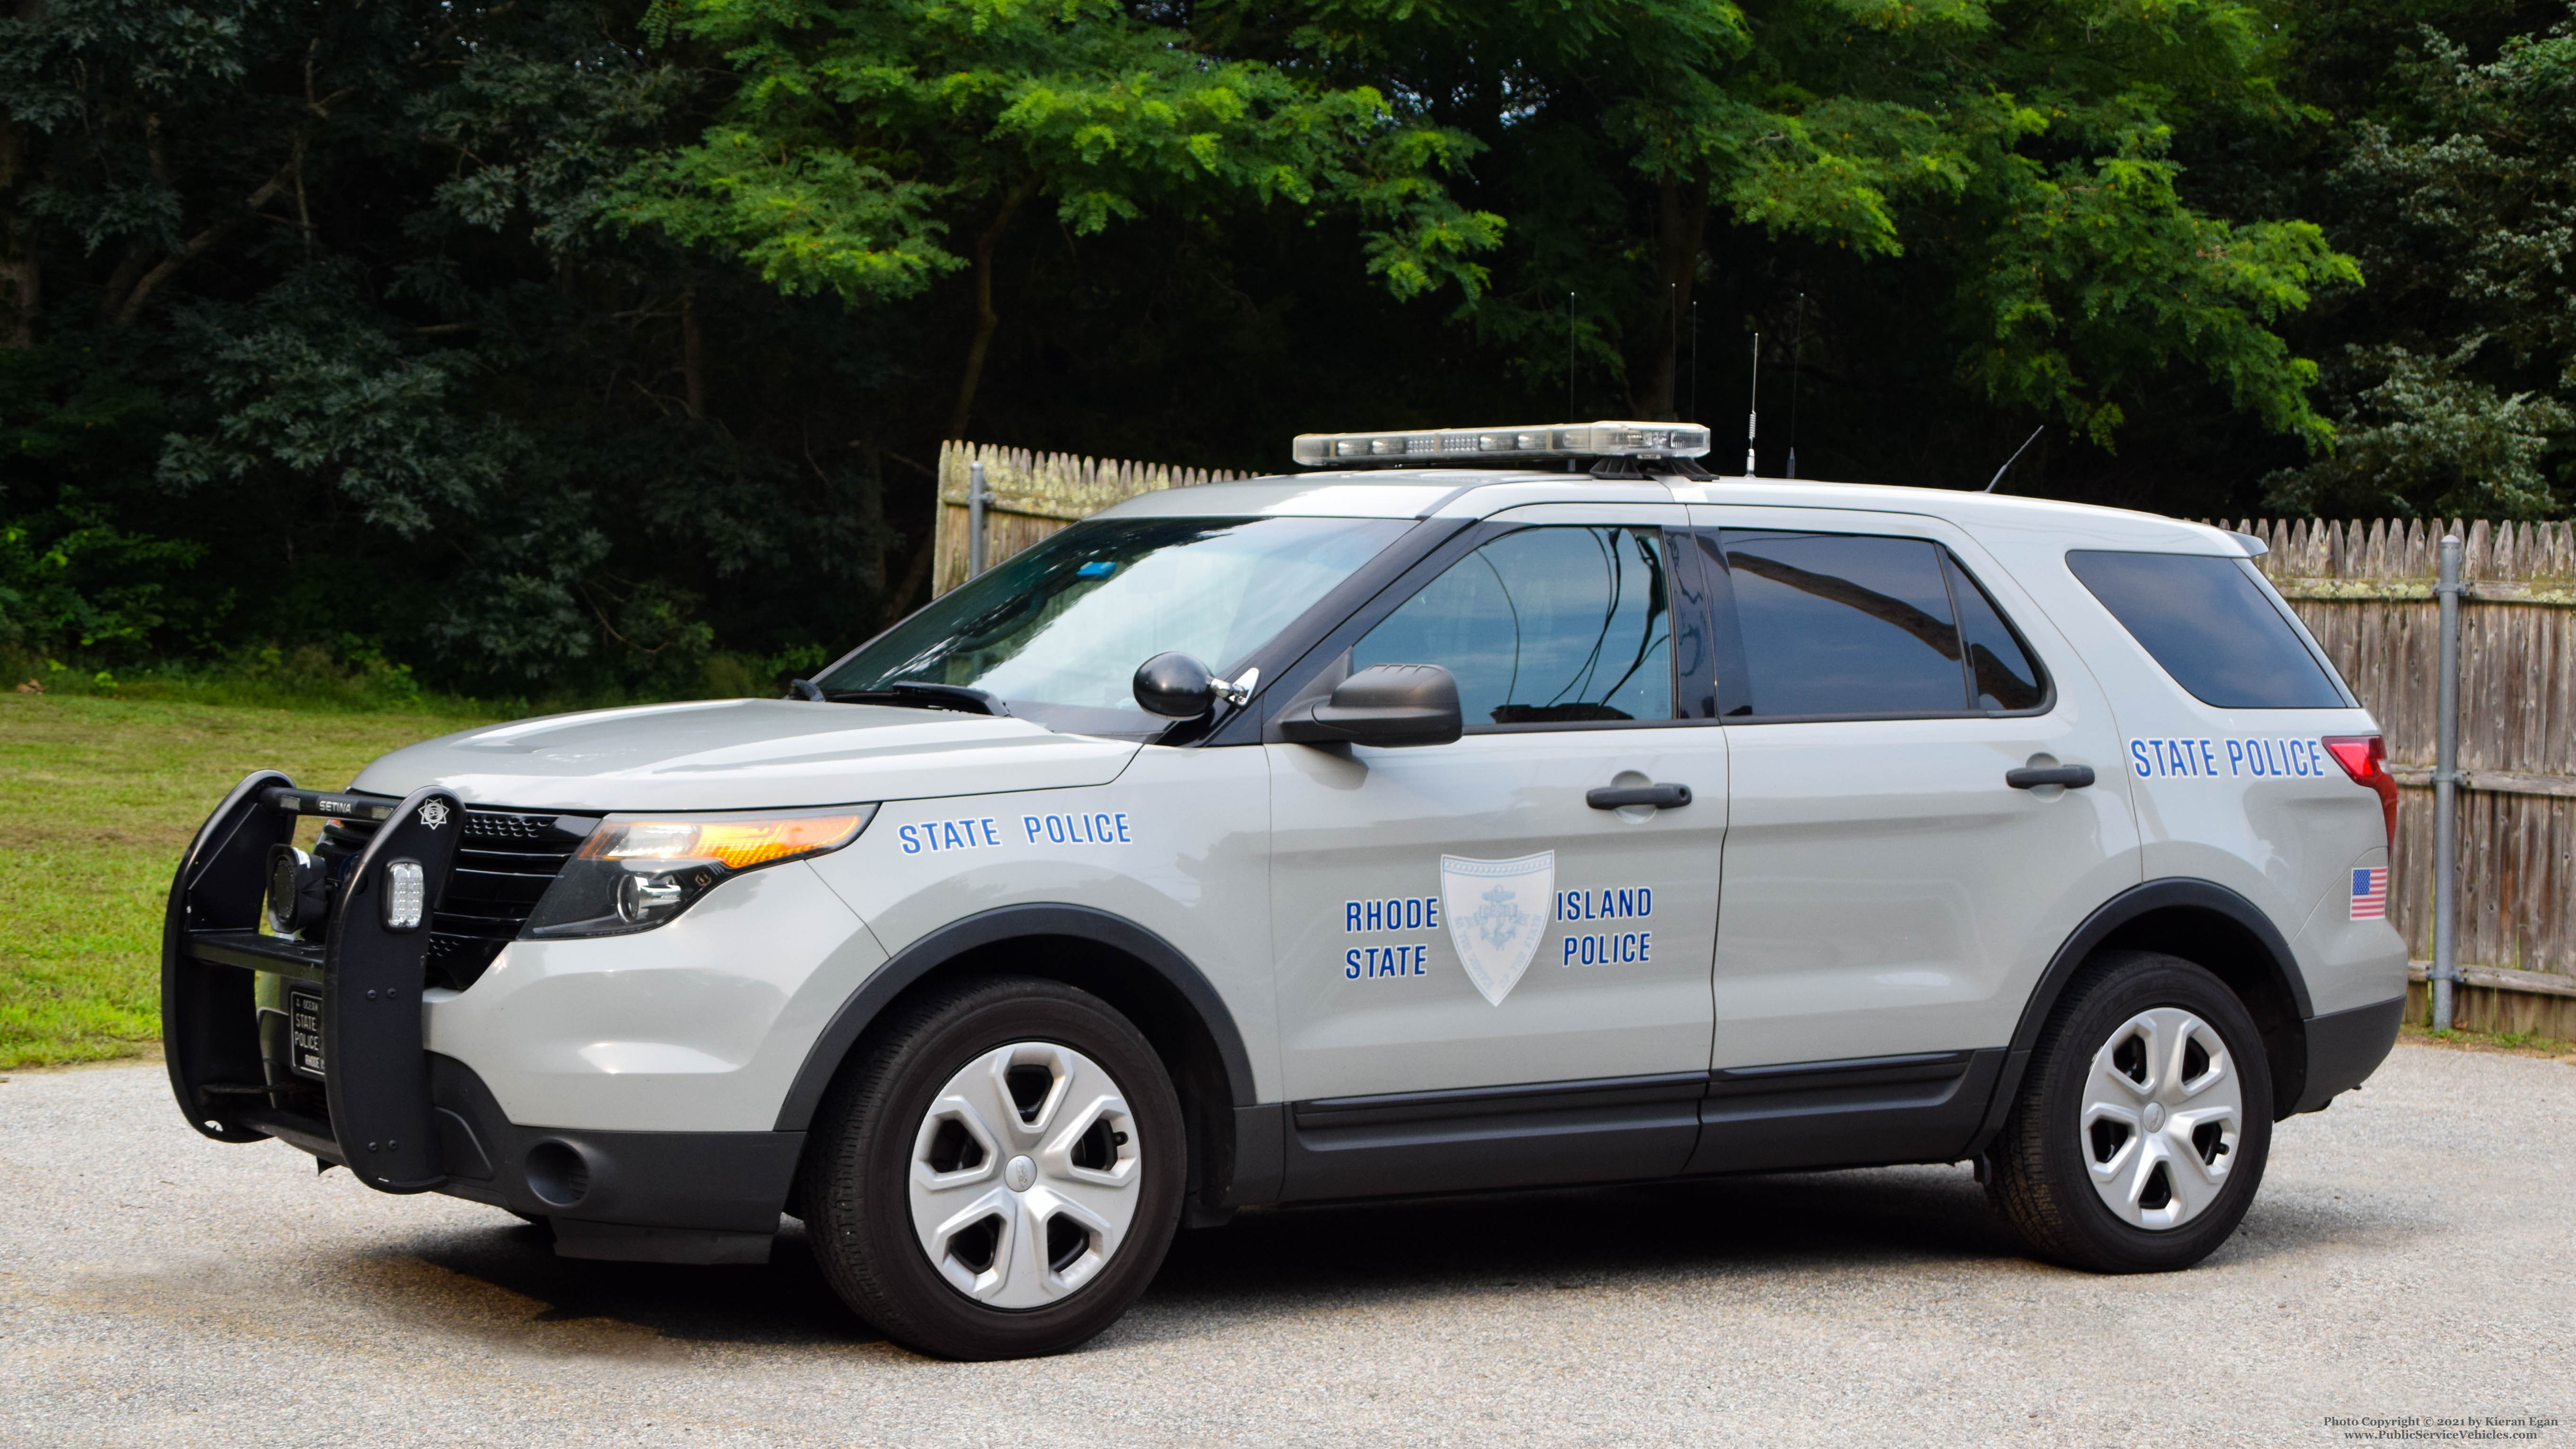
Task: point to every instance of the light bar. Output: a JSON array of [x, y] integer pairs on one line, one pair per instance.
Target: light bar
[[1472, 445]]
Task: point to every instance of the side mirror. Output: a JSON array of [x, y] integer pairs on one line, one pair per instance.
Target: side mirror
[[1179, 687], [1385, 705]]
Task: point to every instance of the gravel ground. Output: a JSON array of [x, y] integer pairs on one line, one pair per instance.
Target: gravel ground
[[2411, 1254]]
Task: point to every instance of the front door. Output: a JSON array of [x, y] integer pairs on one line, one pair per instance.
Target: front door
[[1483, 977], [1888, 892]]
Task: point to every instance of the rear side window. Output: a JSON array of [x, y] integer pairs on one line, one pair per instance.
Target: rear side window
[[2212, 625], [2000, 671], [1852, 625]]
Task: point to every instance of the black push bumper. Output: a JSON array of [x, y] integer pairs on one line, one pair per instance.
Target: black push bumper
[[399, 1117], [374, 1112]]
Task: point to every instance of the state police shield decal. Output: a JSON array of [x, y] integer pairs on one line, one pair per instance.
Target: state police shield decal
[[1498, 912]]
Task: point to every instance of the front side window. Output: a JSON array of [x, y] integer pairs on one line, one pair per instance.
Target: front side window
[[1845, 625], [1055, 633], [1549, 625], [2213, 626]]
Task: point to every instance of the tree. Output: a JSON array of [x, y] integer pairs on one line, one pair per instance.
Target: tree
[[864, 135], [2456, 190], [2007, 165], [317, 295]]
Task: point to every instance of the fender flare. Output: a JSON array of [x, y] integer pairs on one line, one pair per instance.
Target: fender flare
[[917, 960], [2099, 927]]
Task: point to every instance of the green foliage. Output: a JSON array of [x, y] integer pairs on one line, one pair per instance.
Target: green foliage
[[862, 134], [2097, 278], [83, 580], [811, 221], [410, 389], [2427, 433], [2459, 366], [570, 350], [309, 384], [2004, 168]]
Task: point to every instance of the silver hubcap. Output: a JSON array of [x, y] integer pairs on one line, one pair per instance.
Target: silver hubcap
[[2162, 1108], [1024, 1175]]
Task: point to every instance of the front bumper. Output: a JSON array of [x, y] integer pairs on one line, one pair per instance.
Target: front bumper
[[401, 1118], [665, 1197]]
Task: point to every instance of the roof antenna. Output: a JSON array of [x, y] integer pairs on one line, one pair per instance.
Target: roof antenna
[[1694, 392], [1569, 357], [1753, 412], [2015, 458], [1797, 334], [1672, 342]]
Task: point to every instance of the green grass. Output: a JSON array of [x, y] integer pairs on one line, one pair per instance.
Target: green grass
[[2519, 1043], [97, 798]]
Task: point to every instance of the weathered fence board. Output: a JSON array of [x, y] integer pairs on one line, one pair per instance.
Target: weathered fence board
[[1033, 495], [2366, 592]]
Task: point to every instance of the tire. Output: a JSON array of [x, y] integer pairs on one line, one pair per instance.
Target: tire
[[1031, 1100], [2110, 1104]]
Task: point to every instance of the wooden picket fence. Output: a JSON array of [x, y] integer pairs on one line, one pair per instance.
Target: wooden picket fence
[[1034, 494], [2364, 589]]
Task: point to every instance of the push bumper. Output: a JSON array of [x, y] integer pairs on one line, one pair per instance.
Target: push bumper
[[373, 1111], [399, 1117]]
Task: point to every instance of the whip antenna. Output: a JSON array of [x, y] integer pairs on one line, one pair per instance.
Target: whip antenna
[[1694, 386], [2015, 458], [1797, 335], [1753, 411]]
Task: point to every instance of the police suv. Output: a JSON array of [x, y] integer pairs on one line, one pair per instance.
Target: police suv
[[1484, 809]]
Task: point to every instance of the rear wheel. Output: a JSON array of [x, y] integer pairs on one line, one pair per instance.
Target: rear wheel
[[2142, 1125], [1000, 1173]]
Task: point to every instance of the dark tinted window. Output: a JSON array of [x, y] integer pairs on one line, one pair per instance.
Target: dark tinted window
[[2213, 627], [1843, 625], [1544, 625], [2000, 670]]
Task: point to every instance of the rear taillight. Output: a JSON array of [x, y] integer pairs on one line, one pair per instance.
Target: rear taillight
[[2365, 758]]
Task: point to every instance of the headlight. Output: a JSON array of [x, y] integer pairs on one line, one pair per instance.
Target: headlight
[[637, 871]]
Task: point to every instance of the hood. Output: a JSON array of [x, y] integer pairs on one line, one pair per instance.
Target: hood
[[746, 754]]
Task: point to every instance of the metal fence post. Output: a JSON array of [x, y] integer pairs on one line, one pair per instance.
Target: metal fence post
[[975, 500], [2446, 785]]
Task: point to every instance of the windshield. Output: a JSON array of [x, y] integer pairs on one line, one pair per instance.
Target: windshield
[[1056, 632]]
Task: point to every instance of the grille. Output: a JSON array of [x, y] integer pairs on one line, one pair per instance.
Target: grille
[[503, 865]]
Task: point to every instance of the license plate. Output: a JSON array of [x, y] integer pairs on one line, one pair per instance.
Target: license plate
[[304, 1021]]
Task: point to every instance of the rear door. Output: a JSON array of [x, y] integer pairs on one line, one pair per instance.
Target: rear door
[[1889, 894]]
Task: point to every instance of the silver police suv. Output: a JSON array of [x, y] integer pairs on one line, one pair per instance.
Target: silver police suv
[[1482, 809]]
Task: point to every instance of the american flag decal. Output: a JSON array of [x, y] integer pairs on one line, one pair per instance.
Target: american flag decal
[[2370, 893]]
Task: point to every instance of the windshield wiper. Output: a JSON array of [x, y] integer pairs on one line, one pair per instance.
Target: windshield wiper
[[913, 694]]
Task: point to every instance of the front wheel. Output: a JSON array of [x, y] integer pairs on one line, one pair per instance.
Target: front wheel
[[2141, 1127], [1000, 1173]]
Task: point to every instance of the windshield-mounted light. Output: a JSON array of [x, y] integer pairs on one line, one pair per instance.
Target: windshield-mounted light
[[1494, 445], [639, 871]]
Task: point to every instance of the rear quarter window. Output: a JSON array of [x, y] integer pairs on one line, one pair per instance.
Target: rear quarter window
[[2213, 626]]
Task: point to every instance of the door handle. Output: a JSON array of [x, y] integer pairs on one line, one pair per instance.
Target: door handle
[[1616, 797], [2073, 777]]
